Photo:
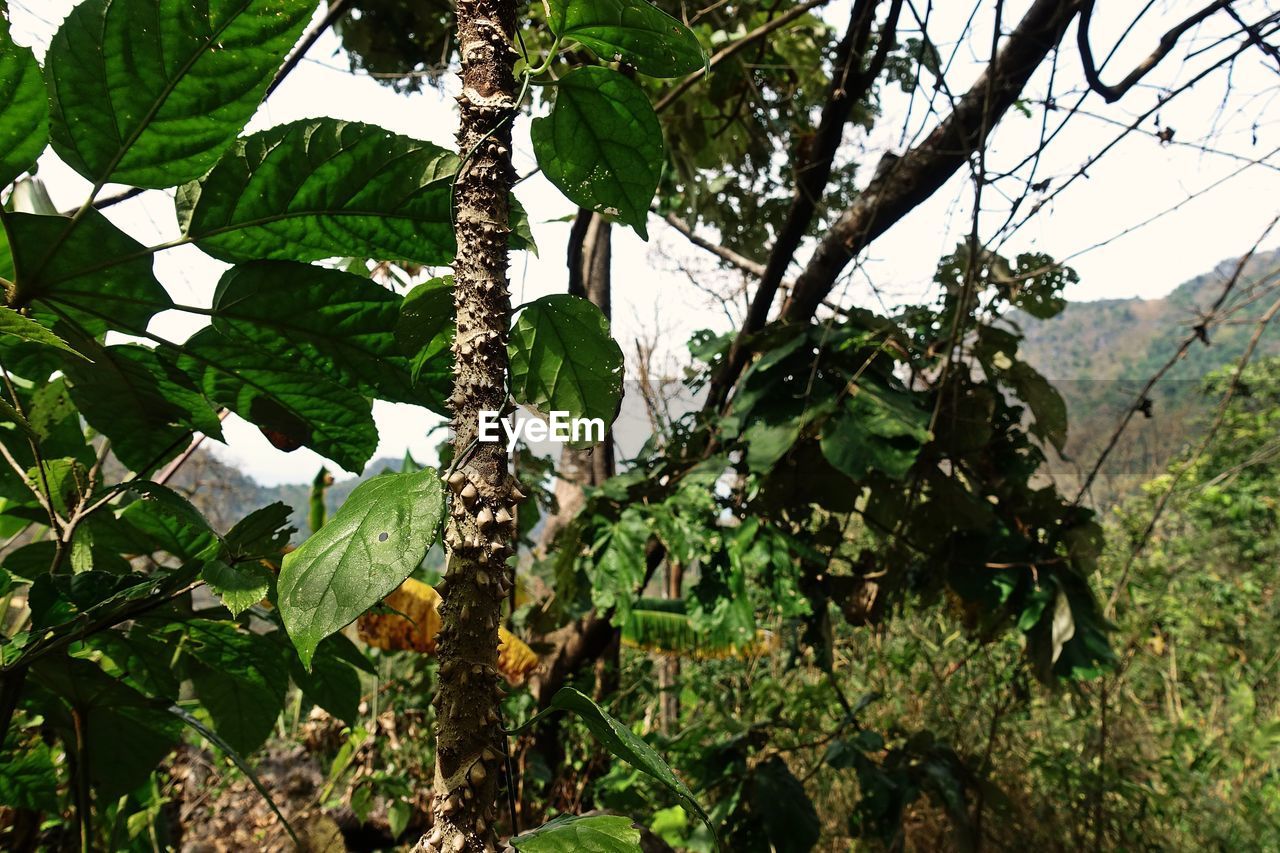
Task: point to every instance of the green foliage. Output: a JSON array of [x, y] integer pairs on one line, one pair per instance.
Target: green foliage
[[339, 325], [84, 271], [15, 324], [563, 359], [145, 92], [623, 743], [323, 188], [630, 31], [24, 111], [569, 833], [376, 540], [602, 145], [424, 333]]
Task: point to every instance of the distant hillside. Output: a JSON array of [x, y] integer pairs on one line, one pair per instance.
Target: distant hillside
[[1131, 338], [226, 494], [1100, 354]]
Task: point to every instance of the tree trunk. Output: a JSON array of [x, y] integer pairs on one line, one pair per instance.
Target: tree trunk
[[469, 742]]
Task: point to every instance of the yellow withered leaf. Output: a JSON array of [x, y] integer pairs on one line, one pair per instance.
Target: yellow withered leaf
[[420, 603]]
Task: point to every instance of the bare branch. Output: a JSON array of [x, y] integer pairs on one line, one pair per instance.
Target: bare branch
[[1167, 42], [849, 85], [919, 173], [729, 256]]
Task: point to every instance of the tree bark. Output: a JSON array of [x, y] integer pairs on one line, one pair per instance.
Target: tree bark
[[921, 171], [481, 524], [924, 169]]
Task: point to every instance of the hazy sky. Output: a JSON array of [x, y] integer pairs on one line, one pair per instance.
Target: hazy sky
[[1138, 180]]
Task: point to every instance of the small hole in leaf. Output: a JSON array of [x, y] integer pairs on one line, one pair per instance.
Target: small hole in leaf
[[382, 537]]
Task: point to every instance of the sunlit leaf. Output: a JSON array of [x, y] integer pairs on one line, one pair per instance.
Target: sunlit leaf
[[602, 145], [323, 188], [573, 833], [563, 359], [24, 107], [361, 555], [151, 92], [632, 31]]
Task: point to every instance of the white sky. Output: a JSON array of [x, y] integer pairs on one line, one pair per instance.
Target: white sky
[[1139, 179]]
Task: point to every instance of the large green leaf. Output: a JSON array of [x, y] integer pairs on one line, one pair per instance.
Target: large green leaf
[[24, 107], [151, 92], [361, 555], [624, 744], [339, 324], [89, 271], [240, 678], [424, 333], [880, 429], [324, 188], [166, 521], [563, 359], [573, 833], [632, 31], [602, 145], [332, 682], [137, 397], [124, 733], [279, 392]]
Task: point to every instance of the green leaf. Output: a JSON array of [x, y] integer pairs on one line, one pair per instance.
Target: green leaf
[[361, 555], [142, 401], [624, 744], [238, 586], [88, 271], [324, 188], [284, 395], [240, 678], [28, 779], [67, 479], [125, 733], [573, 833], [331, 683], [619, 566], [1046, 404], [166, 521], [262, 533], [339, 324], [632, 31], [875, 429], [13, 323], [141, 658], [151, 92], [24, 107], [563, 359], [602, 145], [424, 333]]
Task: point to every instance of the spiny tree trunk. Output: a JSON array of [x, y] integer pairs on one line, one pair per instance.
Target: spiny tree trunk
[[481, 522]]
